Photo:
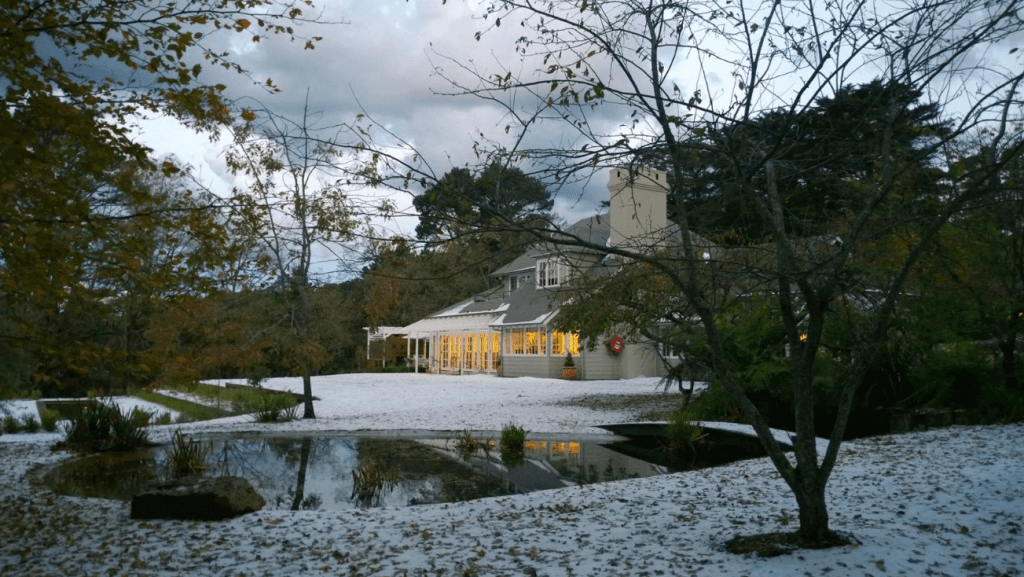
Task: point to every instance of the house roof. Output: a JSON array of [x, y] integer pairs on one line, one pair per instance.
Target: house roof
[[524, 262], [593, 229], [471, 315], [451, 324], [528, 305]]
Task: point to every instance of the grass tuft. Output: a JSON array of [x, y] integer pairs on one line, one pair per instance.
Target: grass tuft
[[187, 457]]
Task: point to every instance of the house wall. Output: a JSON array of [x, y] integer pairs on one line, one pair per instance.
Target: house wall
[[598, 364], [531, 366], [639, 359]]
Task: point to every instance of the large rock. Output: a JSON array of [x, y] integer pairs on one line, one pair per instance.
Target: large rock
[[205, 499]]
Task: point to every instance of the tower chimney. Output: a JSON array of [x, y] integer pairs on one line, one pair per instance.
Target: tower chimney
[[637, 211]]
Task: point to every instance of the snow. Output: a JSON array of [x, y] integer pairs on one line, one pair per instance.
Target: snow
[[941, 502]]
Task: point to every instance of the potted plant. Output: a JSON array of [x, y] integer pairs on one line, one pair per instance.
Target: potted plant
[[569, 368]]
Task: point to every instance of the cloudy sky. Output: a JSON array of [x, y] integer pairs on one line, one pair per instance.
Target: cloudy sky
[[387, 58], [379, 58]]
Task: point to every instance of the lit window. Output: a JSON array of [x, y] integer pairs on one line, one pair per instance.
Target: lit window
[[520, 342], [565, 342]]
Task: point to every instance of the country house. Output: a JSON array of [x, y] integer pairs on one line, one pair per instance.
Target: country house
[[507, 330]]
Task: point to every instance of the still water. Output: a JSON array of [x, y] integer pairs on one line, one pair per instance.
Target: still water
[[312, 473]]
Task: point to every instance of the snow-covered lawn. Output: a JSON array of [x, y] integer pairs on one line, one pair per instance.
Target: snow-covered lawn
[[944, 502]]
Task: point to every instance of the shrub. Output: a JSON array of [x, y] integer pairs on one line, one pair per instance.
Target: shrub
[[162, 419], [270, 407], [29, 424], [49, 419], [10, 425], [101, 427], [127, 428], [513, 439], [959, 377], [681, 433], [143, 416], [187, 457]]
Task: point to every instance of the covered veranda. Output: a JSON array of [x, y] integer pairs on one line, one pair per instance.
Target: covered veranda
[[454, 344]]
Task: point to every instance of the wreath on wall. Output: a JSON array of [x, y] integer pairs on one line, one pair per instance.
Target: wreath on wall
[[616, 345]]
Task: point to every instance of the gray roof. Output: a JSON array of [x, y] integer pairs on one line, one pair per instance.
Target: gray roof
[[593, 229], [529, 305], [525, 261]]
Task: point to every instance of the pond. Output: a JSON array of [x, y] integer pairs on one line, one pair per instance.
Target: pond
[[358, 471], [317, 472]]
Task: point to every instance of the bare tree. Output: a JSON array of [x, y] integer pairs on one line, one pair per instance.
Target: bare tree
[[666, 84], [295, 206]]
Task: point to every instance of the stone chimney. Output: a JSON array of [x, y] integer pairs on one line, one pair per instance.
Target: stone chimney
[[637, 212]]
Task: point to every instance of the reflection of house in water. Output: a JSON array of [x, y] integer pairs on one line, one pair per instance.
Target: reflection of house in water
[[552, 464]]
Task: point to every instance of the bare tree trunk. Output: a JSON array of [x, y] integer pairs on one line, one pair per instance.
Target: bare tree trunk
[[307, 392], [809, 490], [1008, 348], [300, 481]]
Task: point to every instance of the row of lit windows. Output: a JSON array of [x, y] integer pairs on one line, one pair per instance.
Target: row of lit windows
[[535, 342], [471, 351]]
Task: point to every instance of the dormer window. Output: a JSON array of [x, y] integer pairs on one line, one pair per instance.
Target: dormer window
[[550, 272]]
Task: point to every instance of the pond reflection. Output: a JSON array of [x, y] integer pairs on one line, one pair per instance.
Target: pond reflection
[[335, 472]]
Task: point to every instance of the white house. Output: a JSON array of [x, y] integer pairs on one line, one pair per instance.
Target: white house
[[507, 330]]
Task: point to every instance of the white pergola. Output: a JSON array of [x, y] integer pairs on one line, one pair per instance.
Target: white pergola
[[432, 329], [381, 334]]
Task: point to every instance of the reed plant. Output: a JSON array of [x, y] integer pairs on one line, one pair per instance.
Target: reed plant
[[102, 427], [371, 480], [187, 457]]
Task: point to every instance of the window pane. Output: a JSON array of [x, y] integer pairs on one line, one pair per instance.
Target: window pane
[[573, 343], [558, 343], [531, 343]]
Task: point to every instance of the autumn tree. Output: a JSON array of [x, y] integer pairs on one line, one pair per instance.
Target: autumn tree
[[74, 77], [641, 84], [85, 268]]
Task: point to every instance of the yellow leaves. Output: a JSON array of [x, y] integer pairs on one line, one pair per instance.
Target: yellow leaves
[[168, 168], [248, 115], [242, 24]]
